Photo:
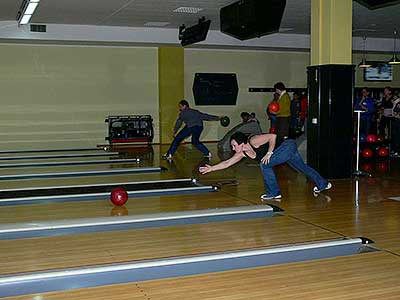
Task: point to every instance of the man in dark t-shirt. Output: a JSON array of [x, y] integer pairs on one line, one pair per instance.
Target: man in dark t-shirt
[[193, 120]]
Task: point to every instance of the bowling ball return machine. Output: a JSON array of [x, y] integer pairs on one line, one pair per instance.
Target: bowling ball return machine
[[130, 131]]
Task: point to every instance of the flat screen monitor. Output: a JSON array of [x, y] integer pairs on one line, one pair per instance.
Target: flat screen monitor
[[215, 89], [379, 71]]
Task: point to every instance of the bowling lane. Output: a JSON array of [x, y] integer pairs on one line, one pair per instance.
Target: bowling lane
[[36, 254], [51, 163], [104, 208], [75, 168], [78, 180], [32, 152], [302, 281], [84, 157]]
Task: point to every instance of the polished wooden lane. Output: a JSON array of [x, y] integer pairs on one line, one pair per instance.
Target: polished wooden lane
[[339, 212], [366, 276], [67, 169], [51, 182], [104, 208], [37, 254], [351, 208]]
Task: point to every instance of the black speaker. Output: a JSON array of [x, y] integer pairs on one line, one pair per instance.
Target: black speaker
[[247, 19], [194, 34], [375, 4], [330, 119]]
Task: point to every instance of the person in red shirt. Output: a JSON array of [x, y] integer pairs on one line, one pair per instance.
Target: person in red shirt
[[303, 110]]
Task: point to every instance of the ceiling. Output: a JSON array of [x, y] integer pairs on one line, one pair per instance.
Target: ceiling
[[378, 23]]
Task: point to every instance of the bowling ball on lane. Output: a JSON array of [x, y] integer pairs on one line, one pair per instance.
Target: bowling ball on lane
[[119, 196]]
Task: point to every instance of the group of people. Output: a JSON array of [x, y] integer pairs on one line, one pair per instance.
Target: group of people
[[248, 117], [267, 149], [378, 115]]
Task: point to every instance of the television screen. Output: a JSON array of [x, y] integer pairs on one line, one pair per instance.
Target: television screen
[[378, 72], [215, 89]]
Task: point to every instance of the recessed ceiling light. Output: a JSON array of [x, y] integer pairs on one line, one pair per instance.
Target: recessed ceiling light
[[156, 24], [285, 29], [188, 10]]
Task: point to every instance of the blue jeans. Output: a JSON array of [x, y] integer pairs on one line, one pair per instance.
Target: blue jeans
[[195, 131], [287, 152]]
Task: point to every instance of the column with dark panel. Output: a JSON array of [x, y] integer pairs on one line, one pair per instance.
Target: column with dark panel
[[330, 86], [330, 119]]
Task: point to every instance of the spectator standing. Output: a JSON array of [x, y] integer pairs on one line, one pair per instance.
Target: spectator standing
[[283, 114], [366, 104], [386, 110]]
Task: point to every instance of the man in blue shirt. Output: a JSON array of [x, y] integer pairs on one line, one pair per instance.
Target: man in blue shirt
[[366, 104], [193, 120]]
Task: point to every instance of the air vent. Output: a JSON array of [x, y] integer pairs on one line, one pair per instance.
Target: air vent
[[38, 28]]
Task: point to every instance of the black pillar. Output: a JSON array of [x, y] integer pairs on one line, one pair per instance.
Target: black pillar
[[330, 119]]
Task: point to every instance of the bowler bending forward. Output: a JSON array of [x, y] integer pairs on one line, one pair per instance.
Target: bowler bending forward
[[270, 150]]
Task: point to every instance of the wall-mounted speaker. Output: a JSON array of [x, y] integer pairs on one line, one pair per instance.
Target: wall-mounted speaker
[[194, 34], [247, 19]]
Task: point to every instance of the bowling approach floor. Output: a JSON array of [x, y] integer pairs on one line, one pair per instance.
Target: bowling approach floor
[[351, 209]]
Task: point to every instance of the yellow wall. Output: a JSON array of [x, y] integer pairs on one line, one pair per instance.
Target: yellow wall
[[59, 96], [171, 88]]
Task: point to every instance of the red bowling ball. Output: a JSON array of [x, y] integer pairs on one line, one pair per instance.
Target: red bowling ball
[[119, 196], [371, 138], [274, 107], [383, 152], [367, 153]]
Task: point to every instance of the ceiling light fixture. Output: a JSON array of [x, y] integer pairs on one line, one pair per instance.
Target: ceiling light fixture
[[364, 63], [188, 10], [26, 11], [394, 60]]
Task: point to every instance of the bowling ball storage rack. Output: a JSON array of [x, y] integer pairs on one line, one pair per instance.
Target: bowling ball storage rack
[[130, 129]]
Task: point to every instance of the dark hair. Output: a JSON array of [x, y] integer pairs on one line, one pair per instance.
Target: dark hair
[[244, 114], [239, 137], [279, 86], [184, 102], [389, 89]]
